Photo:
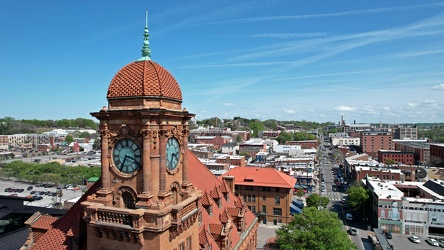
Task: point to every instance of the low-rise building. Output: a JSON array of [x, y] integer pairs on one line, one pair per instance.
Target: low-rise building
[[217, 140], [410, 208], [420, 149], [308, 144], [397, 157], [230, 148], [437, 155], [266, 191], [288, 149], [252, 147], [341, 141]]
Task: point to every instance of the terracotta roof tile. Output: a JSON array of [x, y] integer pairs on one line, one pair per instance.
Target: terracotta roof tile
[[265, 177], [215, 229], [203, 179], [216, 193], [224, 217], [223, 188], [144, 78], [56, 237], [44, 222], [206, 199]]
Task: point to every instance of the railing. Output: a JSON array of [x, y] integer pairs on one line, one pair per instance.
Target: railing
[[115, 217]]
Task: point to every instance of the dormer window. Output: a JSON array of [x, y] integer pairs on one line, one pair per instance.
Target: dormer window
[[210, 209]]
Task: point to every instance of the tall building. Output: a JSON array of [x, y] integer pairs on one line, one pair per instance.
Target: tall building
[[153, 193], [372, 142], [405, 132]]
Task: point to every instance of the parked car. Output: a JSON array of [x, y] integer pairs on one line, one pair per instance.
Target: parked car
[[348, 216], [388, 235], [30, 188], [441, 243], [432, 242], [353, 231]]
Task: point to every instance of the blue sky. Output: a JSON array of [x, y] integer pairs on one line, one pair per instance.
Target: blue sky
[[370, 61]]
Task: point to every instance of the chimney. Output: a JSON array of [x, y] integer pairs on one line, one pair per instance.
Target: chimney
[[229, 181], [354, 121]]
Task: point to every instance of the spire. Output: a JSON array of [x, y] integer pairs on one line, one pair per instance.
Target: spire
[[146, 51]]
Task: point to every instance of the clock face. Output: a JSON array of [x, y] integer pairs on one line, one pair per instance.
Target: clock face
[[127, 156], [173, 153]]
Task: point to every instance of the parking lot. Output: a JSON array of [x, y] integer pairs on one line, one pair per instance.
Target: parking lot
[[47, 193]]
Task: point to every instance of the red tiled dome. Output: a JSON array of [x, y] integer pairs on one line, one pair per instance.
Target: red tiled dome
[[144, 78]]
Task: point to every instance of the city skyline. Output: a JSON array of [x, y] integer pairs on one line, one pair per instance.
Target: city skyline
[[284, 60]]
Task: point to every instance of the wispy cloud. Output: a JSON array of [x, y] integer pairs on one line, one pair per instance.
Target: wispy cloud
[[344, 108], [429, 103], [289, 111], [287, 35], [329, 15], [439, 86], [228, 104]]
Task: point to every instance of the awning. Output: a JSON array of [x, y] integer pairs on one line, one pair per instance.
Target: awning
[[297, 203], [294, 209]]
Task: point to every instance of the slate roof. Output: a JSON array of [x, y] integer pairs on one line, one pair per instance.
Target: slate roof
[[262, 177], [14, 240]]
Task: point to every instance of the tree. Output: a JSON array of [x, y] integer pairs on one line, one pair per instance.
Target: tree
[[256, 126], [303, 136], [69, 139], [238, 138], [389, 161], [315, 200], [314, 229], [338, 155], [300, 192], [357, 196], [284, 137], [85, 135]]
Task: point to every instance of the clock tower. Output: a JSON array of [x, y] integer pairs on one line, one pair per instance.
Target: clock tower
[[146, 200]]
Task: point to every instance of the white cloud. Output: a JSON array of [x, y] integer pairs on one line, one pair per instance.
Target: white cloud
[[412, 104], [228, 104], [439, 86], [289, 111], [429, 103], [386, 108], [344, 108], [368, 110]]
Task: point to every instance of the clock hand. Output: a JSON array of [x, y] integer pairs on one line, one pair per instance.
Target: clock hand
[[123, 162]]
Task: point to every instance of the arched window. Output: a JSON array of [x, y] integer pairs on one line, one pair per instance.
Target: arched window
[[175, 192], [128, 200]]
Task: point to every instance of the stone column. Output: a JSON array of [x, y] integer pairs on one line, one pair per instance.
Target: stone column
[[146, 167], [104, 132], [162, 151], [185, 158]]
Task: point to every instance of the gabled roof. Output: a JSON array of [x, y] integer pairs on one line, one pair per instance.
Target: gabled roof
[[203, 179], [263, 177]]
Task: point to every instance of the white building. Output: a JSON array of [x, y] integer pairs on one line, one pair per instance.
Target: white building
[[288, 149], [345, 141]]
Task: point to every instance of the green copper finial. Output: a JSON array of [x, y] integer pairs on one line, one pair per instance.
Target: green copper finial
[[146, 51]]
